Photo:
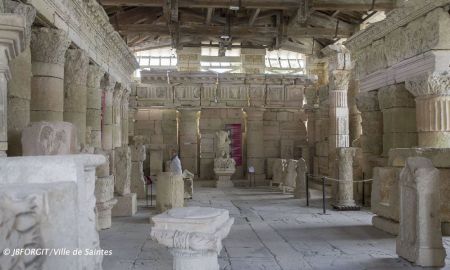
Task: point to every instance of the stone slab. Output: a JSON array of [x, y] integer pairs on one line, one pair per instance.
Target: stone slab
[[126, 206]]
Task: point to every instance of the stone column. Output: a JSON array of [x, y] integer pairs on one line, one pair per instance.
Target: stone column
[[432, 93], [255, 142], [19, 86], [420, 237], [124, 121], [126, 201], [118, 93], [310, 110], [137, 167], [188, 132], [193, 234], [344, 197], [48, 48], [94, 104], [12, 28], [104, 193], [75, 91], [108, 86]]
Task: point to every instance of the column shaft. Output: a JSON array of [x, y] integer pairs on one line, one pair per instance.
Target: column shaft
[[107, 118], [94, 104], [255, 142]]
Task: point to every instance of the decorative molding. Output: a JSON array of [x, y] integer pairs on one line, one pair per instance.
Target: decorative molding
[[49, 45], [431, 84]]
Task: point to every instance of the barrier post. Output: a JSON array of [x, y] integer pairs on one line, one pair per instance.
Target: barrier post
[[307, 190], [323, 196]]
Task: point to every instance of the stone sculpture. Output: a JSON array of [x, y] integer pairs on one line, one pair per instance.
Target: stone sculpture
[[300, 186], [420, 236], [188, 179], [279, 171], [49, 138], [126, 201], [170, 191], [224, 165], [290, 176], [223, 144], [193, 234], [138, 156]]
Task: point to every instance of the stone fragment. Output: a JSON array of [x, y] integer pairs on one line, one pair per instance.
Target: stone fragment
[[300, 187], [169, 192], [420, 236], [49, 138], [193, 235]]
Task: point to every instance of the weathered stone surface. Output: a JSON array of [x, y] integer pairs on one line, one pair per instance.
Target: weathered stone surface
[[49, 138], [440, 157], [170, 191], [193, 234], [300, 186], [137, 170], [344, 196], [122, 170], [289, 180], [126, 206], [420, 237]]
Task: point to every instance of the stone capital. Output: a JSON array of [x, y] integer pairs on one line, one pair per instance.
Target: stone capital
[[346, 154], [339, 79], [28, 11], [95, 75], [108, 83], [429, 84], [49, 45], [76, 66]]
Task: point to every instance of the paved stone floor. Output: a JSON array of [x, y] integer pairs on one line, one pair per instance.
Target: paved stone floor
[[272, 231]]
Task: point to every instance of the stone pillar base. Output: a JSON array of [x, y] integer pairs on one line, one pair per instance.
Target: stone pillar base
[[126, 206], [346, 206], [188, 260], [223, 177], [104, 214]]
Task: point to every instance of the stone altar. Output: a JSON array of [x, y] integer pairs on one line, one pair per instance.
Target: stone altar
[[420, 237], [193, 234]]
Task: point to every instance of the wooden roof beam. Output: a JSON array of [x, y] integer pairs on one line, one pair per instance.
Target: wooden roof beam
[[253, 17], [209, 14]]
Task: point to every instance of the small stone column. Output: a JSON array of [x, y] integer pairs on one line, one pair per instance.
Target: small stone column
[[48, 48], [19, 86], [94, 104], [300, 187], [344, 197], [108, 86], [188, 132], [432, 93], [420, 237], [255, 142], [75, 91], [193, 234], [137, 167], [12, 28]]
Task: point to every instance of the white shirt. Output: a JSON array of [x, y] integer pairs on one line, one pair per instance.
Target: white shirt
[[175, 166]]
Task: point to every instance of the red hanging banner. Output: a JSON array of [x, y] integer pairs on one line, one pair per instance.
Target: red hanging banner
[[235, 131]]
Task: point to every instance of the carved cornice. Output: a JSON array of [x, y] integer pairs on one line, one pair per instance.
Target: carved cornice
[[394, 19], [76, 67], [88, 27], [431, 84], [49, 45], [95, 75]]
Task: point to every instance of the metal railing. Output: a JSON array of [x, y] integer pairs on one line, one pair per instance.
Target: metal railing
[[325, 178]]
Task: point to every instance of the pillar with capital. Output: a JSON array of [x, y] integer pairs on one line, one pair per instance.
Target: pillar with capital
[[75, 91], [108, 86], [432, 96], [48, 48], [255, 142]]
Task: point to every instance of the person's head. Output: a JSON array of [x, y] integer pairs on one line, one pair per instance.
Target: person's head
[[173, 153]]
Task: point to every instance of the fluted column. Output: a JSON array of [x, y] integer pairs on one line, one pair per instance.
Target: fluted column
[[19, 86], [339, 129], [94, 104], [75, 91], [432, 95], [188, 132], [255, 141], [108, 86], [48, 48]]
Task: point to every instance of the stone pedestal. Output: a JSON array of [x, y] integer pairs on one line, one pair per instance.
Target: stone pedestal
[[432, 93], [188, 179], [48, 48], [126, 201], [300, 187], [169, 191], [255, 142], [54, 211], [420, 237], [49, 138], [75, 91], [193, 234], [126, 206], [223, 178], [104, 193], [344, 196]]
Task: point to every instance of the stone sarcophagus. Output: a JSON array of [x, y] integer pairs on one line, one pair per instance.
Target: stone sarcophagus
[[48, 202]]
